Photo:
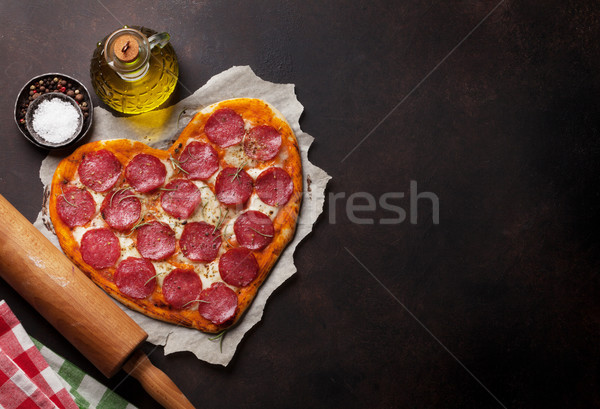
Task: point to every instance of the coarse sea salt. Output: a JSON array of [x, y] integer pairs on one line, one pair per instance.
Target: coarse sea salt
[[55, 120]]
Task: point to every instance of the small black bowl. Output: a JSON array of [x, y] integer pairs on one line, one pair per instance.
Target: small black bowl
[[47, 81]]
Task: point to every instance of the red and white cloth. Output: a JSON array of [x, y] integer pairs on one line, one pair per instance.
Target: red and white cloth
[[26, 380]]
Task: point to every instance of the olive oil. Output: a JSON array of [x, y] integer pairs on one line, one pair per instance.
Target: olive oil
[[134, 70]]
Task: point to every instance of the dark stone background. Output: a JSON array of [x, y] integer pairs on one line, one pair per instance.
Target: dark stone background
[[497, 305]]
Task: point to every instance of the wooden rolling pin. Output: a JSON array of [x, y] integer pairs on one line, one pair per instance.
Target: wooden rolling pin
[[76, 307]]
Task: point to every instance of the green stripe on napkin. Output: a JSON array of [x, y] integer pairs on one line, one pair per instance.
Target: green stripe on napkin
[[87, 392]]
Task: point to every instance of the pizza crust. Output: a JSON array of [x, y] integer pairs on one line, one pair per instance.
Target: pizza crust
[[256, 112]]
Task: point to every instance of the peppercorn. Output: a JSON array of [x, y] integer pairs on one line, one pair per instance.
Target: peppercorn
[[50, 84]]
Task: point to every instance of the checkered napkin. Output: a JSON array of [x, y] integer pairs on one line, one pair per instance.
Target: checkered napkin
[[32, 376], [26, 380]]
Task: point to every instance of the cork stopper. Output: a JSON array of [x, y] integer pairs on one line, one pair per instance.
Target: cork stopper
[[126, 48]]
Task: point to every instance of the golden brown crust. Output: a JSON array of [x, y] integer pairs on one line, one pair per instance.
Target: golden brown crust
[[284, 223]]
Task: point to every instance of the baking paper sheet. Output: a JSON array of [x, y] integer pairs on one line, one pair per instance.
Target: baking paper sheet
[[159, 129]]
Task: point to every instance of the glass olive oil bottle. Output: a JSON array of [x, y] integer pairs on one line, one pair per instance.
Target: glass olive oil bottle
[[134, 69]]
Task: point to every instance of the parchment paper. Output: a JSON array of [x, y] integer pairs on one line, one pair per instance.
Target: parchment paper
[[158, 129]]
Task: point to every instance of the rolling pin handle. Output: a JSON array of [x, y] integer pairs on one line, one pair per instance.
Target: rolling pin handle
[[156, 382]]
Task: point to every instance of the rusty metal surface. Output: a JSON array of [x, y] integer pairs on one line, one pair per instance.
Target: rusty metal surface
[[489, 108]]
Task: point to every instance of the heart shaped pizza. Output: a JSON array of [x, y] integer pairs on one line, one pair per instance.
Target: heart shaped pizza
[[185, 235]]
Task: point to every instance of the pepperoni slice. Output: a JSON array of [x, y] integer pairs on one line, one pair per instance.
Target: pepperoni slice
[[155, 241], [253, 230], [100, 248], [262, 142], [135, 277], [274, 186], [233, 186], [219, 303], [238, 267], [200, 241], [99, 170], [180, 198], [199, 160], [121, 209], [145, 172], [225, 127], [181, 287], [75, 206]]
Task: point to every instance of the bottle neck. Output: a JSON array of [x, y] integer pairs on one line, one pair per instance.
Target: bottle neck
[[133, 75], [127, 52]]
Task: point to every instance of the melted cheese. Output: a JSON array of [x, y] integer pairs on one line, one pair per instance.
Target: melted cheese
[[254, 203], [236, 157]]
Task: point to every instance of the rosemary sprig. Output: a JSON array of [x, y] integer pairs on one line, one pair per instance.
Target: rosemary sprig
[[116, 192], [189, 302], [262, 234], [124, 197], [190, 156], [219, 337], [65, 197], [202, 211], [137, 225], [151, 278], [177, 166], [237, 173], [221, 220]]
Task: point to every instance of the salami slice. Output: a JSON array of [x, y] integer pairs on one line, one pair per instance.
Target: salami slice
[[75, 206], [200, 241], [225, 127], [274, 186], [233, 186], [180, 198], [145, 172], [180, 287], [218, 303], [121, 209], [262, 142], [238, 267], [199, 160], [155, 241], [254, 230], [99, 170], [135, 277], [100, 248]]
